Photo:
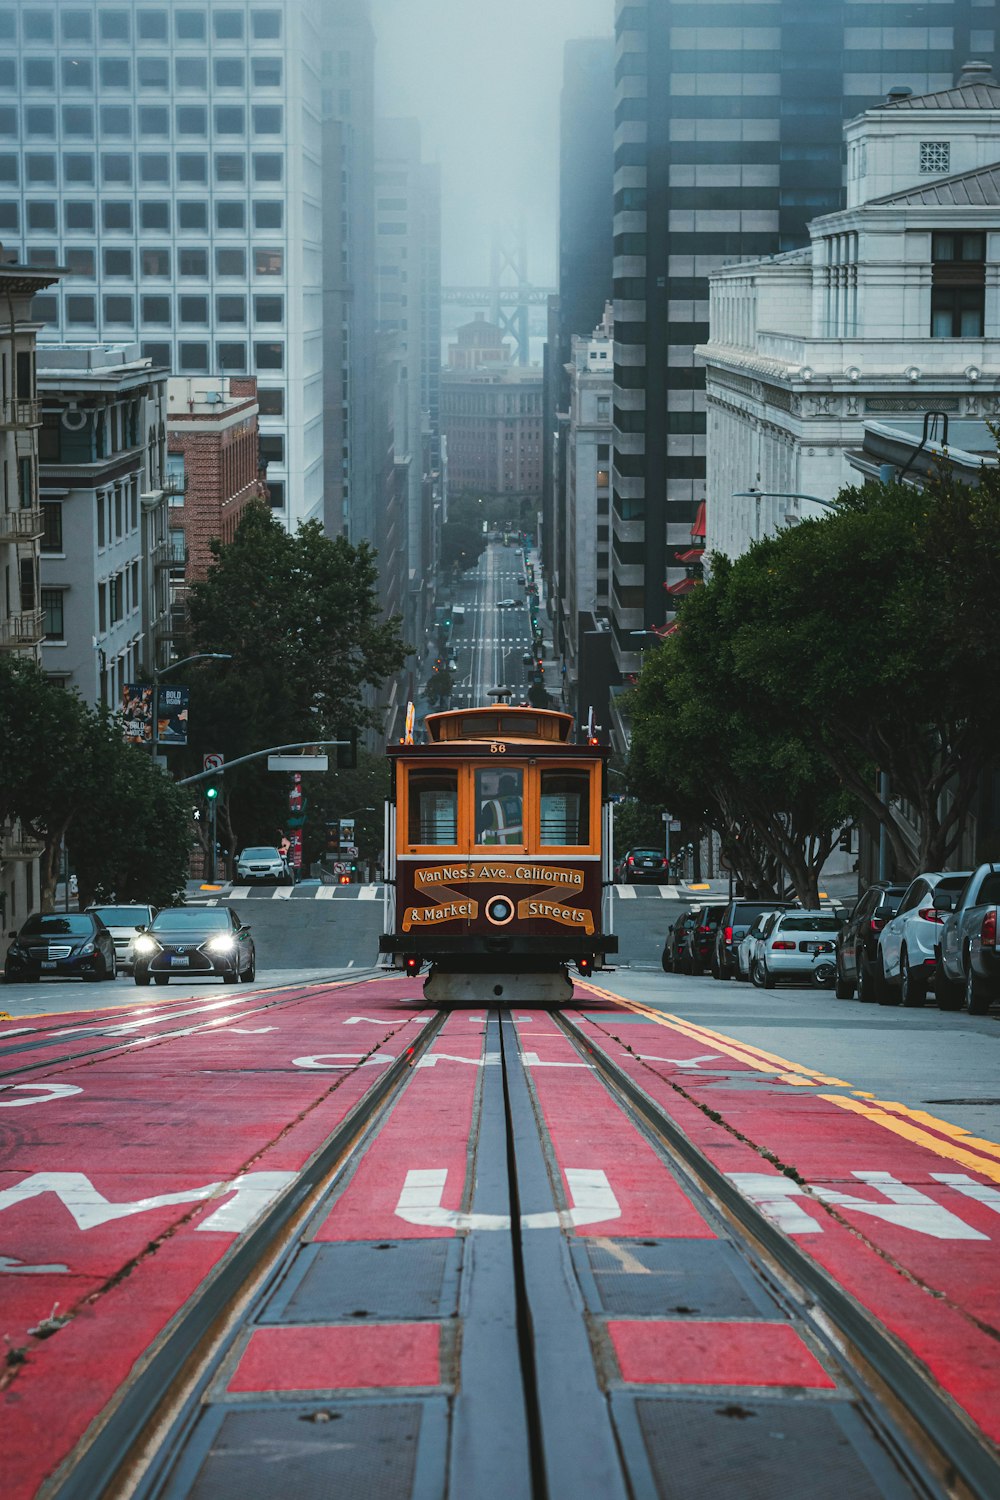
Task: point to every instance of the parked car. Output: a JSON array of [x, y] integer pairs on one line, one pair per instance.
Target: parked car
[[673, 944], [193, 942], [906, 960], [263, 865], [124, 922], [968, 958], [61, 945], [857, 941], [737, 919], [747, 949], [638, 865], [798, 945], [697, 938]]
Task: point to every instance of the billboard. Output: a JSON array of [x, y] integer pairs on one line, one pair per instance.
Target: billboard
[[137, 709], [172, 715]]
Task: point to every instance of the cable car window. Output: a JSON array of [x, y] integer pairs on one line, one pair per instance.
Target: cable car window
[[499, 806], [565, 808], [433, 807], [518, 726], [478, 729]]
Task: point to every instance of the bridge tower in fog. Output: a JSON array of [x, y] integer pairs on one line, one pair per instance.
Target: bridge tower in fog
[[510, 290]]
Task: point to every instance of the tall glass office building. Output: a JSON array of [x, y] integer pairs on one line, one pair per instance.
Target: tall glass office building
[[169, 156], [728, 117]]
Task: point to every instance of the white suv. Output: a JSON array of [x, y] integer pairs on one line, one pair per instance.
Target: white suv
[[263, 865]]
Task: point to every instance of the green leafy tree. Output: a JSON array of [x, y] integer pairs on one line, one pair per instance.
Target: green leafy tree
[[68, 775], [638, 825], [348, 794], [439, 686], [462, 544], [299, 615]]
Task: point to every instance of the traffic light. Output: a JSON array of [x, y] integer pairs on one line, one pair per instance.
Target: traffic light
[[845, 839], [347, 754], [211, 791]]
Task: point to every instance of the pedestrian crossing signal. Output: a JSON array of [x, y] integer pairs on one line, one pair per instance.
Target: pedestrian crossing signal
[[347, 754]]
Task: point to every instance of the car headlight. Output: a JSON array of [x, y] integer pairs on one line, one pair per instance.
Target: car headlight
[[87, 948], [145, 945], [221, 944]]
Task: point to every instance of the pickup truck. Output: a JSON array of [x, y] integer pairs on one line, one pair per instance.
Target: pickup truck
[[968, 956]]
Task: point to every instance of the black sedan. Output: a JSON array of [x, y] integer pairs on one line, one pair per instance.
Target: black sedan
[[193, 942], [645, 865], [61, 945]]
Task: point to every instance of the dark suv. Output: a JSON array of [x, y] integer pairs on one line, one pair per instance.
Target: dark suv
[[735, 922], [857, 941], [695, 947]]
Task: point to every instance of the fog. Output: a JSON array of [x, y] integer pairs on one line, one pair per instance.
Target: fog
[[483, 78]]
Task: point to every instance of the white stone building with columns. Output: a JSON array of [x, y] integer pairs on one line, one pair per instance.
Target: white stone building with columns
[[892, 311]]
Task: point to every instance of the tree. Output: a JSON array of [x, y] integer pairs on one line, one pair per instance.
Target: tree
[[439, 686], [462, 544], [70, 777], [299, 615], [638, 825], [348, 794]]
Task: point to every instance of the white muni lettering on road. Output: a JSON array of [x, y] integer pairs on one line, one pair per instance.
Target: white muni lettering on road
[[681, 1062], [590, 1192], [350, 1060], [907, 1207], [488, 1060], [47, 1091], [252, 1192], [978, 1191], [11, 1266]]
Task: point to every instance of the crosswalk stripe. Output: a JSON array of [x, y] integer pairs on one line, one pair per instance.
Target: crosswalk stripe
[[368, 893], [326, 893], [282, 893], [239, 893], [626, 892]]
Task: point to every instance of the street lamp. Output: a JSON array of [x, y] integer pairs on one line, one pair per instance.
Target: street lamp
[[643, 633], [758, 495], [159, 672]]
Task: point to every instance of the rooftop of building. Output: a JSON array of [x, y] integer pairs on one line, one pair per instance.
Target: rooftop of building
[[209, 397], [95, 366], [975, 88], [979, 188], [21, 280]]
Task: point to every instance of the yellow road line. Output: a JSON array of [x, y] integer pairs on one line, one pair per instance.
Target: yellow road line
[[918, 1137], [880, 1112]]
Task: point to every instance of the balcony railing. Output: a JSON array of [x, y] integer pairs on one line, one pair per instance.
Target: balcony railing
[[21, 525], [17, 845], [20, 414], [24, 629]]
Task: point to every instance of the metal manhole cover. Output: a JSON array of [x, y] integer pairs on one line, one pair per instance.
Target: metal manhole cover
[[675, 1278]]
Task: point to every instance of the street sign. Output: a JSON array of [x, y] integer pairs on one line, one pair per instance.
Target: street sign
[[298, 763], [213, 762]]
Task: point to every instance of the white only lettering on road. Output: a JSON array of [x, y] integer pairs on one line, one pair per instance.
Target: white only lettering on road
[[44, 1093], [680, 1062], [780, 1199], [251, 1194], [383, 1020], [11, 1266], [591, 1194]]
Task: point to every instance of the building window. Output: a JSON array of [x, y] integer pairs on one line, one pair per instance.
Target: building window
[[113, 25], [79, 216], [8, 170], [39, 73], [9, 216], [230, 214], [268, 262], [230, 119], [272, 448], [192, 119], [79, 259], [154, 215], [193, 309], [116, 169], [958, 284], [935, 156], [267, 119], [192, 168], [271, 401], [42, 216], [115, 73], [38, 26], [52, 604], [191, 73], [117, 214], [119, 309], [231, 309], [52, 536], [152, 73], [268, 309], [154, 169], [45, 309], [193, 357], [192, 216], [269, 356], [78, 119], [267, 168], [231, 356], [156, 310], [228, 25], [77, 73], [266, 72], [152, 25], [230, 168], [230, 263], [276, 493], [267, 213], [39, 119], [160, 354], [116, 119], [189, 25], [77, 26], [265, 25], [229, 73], [40, 170], [193, 262], [156, 262], [153, 120], [78, 169], [102, 589], [118, 263]]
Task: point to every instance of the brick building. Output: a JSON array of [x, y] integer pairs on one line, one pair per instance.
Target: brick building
[[492, 418], [476, 344], [213, 463]]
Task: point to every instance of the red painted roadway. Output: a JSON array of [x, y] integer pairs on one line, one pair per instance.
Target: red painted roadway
[[919, 1252], [186, 1101]]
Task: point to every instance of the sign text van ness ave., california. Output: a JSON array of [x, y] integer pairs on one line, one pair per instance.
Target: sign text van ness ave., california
[[510, 874]]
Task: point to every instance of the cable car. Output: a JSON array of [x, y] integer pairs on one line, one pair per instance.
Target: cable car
[[498, 839]]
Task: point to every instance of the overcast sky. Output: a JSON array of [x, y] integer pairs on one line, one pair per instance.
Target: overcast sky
[[483, 77]]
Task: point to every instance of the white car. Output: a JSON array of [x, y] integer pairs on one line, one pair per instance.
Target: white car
[[507, 603], [123, 921], [905, 964], [799, 945], [746, 951], [263, 865]]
